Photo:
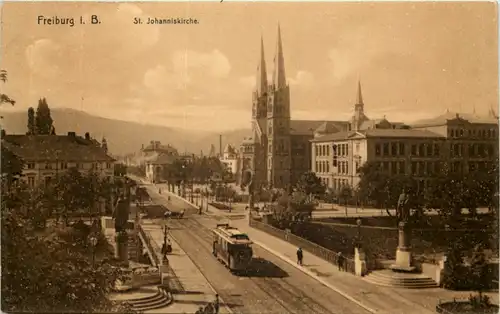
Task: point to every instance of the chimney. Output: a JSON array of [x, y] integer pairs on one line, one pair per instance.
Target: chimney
[[87, 136], [72, 134], [220, 145]]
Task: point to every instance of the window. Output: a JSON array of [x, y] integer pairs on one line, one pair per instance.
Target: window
[[401, 167], [357, 148], [394, 167], [386, 149], [413, 167], [413, 150], [429, 149], [377, 150], [270, 148], [401, 149], [316, 169], [334, 150], [327, 166], [78, 165], [48, 166], [394, 149], [421, 150], [436, 150], [30, 165], [31, 182], [64, 165], [108, 165]]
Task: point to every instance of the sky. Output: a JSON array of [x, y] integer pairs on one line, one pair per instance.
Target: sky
[[414, 60]]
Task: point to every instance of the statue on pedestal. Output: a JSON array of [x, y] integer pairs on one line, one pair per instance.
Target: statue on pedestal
[[403, 252], [121, 216]]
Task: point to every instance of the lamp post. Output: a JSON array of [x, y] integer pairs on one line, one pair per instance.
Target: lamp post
[[93, 242]]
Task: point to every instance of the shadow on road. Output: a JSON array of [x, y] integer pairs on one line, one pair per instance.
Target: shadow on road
[[263, 268]]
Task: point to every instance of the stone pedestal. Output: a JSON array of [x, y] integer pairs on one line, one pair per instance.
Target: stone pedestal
[[403, 252], [122, 246], [359, 262]]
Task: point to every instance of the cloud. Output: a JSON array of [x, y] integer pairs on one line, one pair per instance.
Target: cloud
[[303, 78], [43, 56], [214, 64]]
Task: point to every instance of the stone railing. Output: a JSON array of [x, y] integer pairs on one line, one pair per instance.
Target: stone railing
[[143, 276], [321, 252], [150, 246]]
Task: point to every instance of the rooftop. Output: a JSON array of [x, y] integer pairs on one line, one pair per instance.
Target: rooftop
[[378, 133], [443, 119], [55, 148]]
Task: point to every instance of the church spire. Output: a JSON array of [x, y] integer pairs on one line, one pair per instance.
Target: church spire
[[279, 77], [261, 85], [359, 96]]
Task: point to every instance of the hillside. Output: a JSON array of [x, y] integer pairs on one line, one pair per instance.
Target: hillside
[[123, 137]]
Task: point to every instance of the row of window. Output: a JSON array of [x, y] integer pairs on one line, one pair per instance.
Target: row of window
[[64, 166], [323, 166], [31, 180], [474, 150], [457, 133]]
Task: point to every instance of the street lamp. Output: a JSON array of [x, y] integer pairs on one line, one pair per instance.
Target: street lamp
[[93, 242]]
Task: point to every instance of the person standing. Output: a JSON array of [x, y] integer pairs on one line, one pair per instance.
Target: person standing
[[216, 304], [300, 256], [340, 260]]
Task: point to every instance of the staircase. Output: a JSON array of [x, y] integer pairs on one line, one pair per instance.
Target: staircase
[[389, 278], [161, 299]]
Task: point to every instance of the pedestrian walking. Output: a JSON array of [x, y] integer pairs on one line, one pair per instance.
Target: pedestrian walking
[[340, 260], [300, 256], [216, 304]]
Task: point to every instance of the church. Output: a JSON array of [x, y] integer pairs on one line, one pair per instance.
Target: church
[[279, 150]]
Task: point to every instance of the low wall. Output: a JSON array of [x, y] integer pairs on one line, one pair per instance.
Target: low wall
[[142, 277], [319, 251]]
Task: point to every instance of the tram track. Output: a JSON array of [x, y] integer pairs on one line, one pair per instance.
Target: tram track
[[284, 292]]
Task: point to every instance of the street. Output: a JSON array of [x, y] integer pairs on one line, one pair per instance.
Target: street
[[272, 285]]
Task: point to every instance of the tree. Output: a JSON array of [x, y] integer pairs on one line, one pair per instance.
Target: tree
[[12, 166], [5, 99], [120, 170], [31, 121], [310, 184], [373, 184], [454, 273], [480, 276], [47, 272], [43, 119]]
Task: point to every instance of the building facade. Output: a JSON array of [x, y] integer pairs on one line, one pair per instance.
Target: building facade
[[47, 156], [156, 158], [231, 159], [467, 145]]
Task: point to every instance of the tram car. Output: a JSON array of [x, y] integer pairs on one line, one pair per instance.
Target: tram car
[[232, 247]]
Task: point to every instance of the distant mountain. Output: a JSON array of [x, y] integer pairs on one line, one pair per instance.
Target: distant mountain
[[123, 136]]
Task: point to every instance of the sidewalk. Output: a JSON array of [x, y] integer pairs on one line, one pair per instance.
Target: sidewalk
[[375, 298], [196, 290]]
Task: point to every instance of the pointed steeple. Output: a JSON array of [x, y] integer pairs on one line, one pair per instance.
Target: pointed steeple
[[261, 84], [359, 96], [104, 144], [279, 77]]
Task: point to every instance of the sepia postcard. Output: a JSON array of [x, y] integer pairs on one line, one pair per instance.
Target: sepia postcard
[[249, 157]]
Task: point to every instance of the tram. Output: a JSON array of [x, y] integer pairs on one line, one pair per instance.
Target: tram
[[232, 247]]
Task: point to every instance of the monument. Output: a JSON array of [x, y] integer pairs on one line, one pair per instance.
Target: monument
[[121, 215], [403, 252]]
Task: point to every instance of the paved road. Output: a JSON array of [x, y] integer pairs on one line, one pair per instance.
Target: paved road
[[273, 285]]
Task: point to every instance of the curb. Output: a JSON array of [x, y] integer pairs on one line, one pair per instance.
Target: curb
[[228, 309], [314, 276]]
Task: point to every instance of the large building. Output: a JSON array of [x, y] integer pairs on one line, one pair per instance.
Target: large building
[[279, 149], [47, 156], [230, 159], [467, 143]]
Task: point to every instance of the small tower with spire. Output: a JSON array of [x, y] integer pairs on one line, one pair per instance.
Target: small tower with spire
[[104, 144], [359, 110]]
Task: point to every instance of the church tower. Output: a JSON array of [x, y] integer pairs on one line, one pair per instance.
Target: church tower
[[259, 100], [359, 111], [278, 123]]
